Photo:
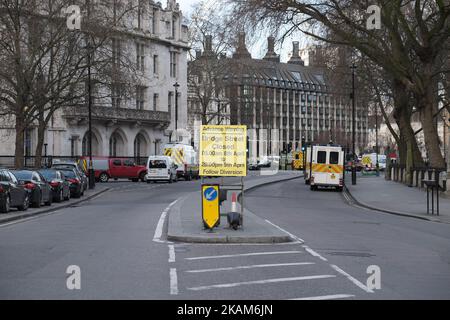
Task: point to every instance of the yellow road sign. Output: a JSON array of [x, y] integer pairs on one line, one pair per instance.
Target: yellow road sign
[[210, 205], [223, 151]]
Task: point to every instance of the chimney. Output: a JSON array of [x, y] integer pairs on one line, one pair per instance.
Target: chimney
[[208, 43], [295, 59], [241, 50], [271, 54]]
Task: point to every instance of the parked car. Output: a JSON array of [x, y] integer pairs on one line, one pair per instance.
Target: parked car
[[75, 183], [41, 192], [12, 194], [58, 183], [118, 168], [64, 164], [161, 168]]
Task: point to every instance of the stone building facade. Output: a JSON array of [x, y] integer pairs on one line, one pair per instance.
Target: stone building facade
[[157, 40]]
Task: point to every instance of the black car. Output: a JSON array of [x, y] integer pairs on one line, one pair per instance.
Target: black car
[[41, 192], [11, 193], [60, 186], [73, 165], [75, 182]]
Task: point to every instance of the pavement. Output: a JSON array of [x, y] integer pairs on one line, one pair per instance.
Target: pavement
[[185, 219], [395, 198], [15, 214]]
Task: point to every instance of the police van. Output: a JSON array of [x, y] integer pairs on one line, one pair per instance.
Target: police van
[[324, 166], [185, 157]]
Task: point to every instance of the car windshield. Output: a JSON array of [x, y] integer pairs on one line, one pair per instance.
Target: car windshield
[[48, 174], [23, 175], [157, 164], [70, 174]]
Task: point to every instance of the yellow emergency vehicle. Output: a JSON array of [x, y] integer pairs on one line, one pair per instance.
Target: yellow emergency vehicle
[[324, 166], [297, 163]]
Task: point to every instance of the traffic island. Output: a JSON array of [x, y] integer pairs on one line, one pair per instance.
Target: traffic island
[[185, 219]]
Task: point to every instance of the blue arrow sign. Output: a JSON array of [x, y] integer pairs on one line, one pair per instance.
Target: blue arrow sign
[[210, 194]]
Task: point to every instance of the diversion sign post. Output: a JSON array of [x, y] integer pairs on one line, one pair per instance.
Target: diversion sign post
[[223, 151]]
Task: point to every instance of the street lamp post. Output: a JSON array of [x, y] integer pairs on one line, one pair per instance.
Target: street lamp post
[[353, 67], [91, 167], [376, 141], [176, 85]]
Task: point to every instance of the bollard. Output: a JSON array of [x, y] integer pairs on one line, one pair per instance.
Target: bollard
[[234, 217]]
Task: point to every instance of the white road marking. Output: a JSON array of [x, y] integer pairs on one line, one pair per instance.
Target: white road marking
[[173, 281], [244, 255], [171, 253], [252, 267], [299, 240], [330, 297], [159, 228], [237, 284], [313, 253], [355, 281]]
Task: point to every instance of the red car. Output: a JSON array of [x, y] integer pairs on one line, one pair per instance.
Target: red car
[[117, 168]]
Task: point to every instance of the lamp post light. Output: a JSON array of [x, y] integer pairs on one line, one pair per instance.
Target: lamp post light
[[176, 85], [353, 67]]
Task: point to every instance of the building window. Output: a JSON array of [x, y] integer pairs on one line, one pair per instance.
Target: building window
[[174, 27], [140, 14], [73, 146], [140, 98], [116, 95], [173, 64], [155, 64], [154, 21], [116, 52], [155, 101], [140, 56], [169, 101]]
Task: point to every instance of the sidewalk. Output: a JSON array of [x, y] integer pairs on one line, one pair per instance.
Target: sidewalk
[[396, 198], [15, 214], [185, 219]]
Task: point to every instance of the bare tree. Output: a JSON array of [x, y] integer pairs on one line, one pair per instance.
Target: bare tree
[[407, 47], [44, 64]]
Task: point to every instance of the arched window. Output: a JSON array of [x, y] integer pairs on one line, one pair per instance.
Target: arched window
[[116, 145], [140, 146], [85, 144]]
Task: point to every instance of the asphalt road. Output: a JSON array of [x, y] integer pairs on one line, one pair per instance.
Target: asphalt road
[[111, 239]]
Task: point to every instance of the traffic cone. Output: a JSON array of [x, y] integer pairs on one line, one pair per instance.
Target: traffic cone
[[233, 217]]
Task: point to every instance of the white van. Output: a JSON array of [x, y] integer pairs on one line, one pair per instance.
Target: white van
[[325, 166], [161, 168]]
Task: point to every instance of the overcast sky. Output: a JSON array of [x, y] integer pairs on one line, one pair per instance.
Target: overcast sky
[[260, 48]]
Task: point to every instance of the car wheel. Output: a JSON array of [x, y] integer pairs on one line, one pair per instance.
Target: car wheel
[[68, 196], [170, 179], [142, 176], [50, 200], [38, 203], [5, 206], [60, 196], [25, 204], [104, 178]]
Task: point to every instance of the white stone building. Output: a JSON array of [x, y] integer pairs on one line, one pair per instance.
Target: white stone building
[[157, 40]]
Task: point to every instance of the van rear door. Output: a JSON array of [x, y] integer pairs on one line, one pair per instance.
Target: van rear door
[[320, 167], [334, 167], [157, 168]]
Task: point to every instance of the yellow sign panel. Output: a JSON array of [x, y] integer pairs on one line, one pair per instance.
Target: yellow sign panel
[[210, 205], [223, 151]]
